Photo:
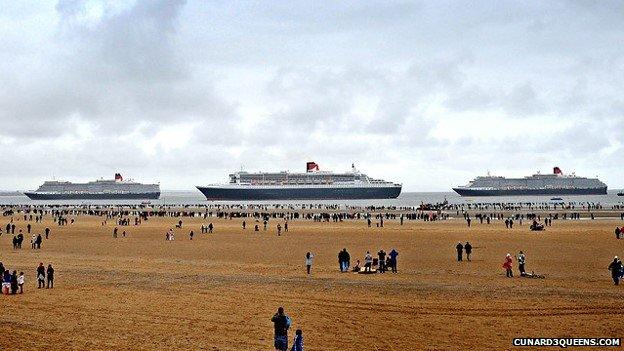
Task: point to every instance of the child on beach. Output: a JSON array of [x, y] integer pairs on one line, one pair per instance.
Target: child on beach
[[298, 342], [507, 266]]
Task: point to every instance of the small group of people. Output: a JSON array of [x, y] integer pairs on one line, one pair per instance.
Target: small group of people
[[11, 282], [35, 241], [170, 235], [44, 275], [207, 229], [536, 226], [381, 264], [460, 249], [521, 258], [281, 324]]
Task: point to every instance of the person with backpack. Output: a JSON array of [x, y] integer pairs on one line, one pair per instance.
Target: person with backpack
[[281, 323]]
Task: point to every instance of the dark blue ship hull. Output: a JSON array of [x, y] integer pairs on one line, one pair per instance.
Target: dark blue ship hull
[[92, 196], [337, 193], [530, 192]]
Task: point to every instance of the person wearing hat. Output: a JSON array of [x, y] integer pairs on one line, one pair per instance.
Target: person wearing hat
[[507, 266], [616, 268]]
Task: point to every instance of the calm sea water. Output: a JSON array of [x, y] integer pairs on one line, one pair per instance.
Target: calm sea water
[[407, 199]]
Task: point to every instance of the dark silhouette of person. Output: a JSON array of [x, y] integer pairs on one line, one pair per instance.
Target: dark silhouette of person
[[616, 269], [50, 276], [281, 323], [460, 249], [40, 276], [468, 249]]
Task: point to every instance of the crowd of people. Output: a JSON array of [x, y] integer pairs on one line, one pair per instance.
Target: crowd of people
[[13, 283]]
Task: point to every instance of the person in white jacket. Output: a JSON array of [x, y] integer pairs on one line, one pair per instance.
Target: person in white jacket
[[308, 261]]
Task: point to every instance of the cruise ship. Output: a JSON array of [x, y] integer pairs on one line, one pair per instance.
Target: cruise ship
[[103, 189], [537, 184], [313, 184]]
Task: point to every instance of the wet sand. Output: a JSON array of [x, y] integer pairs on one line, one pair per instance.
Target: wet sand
[[218, 291]]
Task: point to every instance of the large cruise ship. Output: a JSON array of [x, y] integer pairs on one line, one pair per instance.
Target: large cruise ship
[[104, 189], [311, 185], [537, 184]]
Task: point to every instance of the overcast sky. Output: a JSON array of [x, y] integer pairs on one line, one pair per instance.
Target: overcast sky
[[429, 94]]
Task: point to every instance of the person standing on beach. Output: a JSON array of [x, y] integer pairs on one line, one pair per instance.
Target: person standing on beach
[[20, 282], [281, 323], [279, 229], [40, 276], [308, 261], [14, 284], [393, 260], [507, 265], [617, 232], [191, 235], [468, 249], [382, 261], [521, 260], [460, 249], [285, 226], [50, 276], [298, 342], [368, 262], [47, 232], [616, 268]]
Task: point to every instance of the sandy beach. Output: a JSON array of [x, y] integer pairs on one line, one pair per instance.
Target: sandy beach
[[219, 291]]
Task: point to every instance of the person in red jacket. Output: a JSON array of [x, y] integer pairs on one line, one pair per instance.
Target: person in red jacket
[[507, 266]]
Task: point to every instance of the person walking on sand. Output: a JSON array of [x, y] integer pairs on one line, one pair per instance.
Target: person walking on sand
[[308, 261], [281, 323], [460, 249], [40, 276], [50, 276], [468, 249], [616, 268], [279, 229], [507, 265]]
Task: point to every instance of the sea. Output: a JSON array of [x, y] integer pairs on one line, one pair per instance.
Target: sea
[[406, 199]]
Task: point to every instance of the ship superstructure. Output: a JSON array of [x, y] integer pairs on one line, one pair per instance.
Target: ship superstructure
[[537, 184], [117, 188], [312, 184]]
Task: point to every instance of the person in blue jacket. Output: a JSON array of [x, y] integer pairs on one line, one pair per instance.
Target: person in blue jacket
[[298, 342]]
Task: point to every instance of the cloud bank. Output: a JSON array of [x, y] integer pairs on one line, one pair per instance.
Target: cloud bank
[[428, 94]]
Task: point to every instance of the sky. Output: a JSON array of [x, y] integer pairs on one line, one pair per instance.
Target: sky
[[427, 94]]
